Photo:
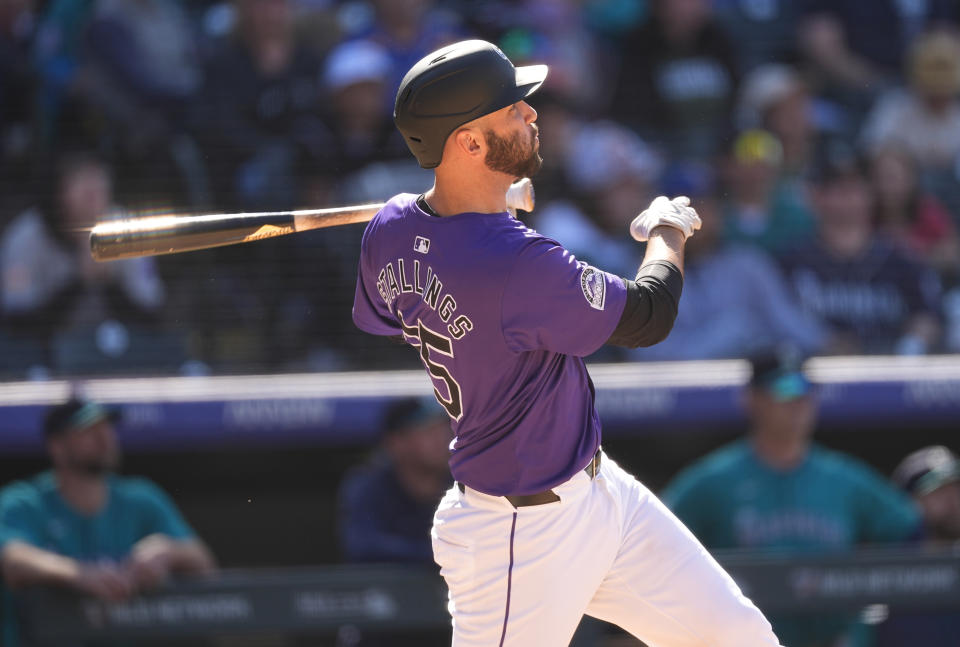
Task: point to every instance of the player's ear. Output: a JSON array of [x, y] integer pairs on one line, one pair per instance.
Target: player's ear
[[470, 141]]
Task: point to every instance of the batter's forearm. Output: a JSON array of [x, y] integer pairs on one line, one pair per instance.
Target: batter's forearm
[[665, 244]]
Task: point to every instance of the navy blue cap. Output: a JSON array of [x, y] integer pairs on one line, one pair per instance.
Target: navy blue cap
[[410, 412], [76, 414], [780, 374], [835, 159]]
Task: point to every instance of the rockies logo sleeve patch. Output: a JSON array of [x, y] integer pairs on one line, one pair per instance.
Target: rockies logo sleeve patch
[[594, 287]]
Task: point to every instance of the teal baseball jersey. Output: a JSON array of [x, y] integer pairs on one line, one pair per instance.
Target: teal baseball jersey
[[730, 499], [831, 502], [34, 512]]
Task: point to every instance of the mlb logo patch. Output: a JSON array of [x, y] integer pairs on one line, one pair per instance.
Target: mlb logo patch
[[421, 245], [594, 287]]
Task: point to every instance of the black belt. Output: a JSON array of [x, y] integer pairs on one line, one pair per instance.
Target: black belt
[[547, 496]]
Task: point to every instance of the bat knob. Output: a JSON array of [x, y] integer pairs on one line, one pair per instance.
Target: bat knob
[[520, 195]]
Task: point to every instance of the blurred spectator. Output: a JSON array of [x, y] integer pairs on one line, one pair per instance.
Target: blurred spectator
[[143, 74], [80, 526], [356, 81], [752, 312], [317, 24], [59, 55], [614, 17], [775, 98], [932, 477], [355, 78], [858, 47], [911, 216], [387, 505], [269, 148], [873, 296], [17, 90], [409, 30], [50, 284], [266, 137], [762, 209], [556, 33], [763, 31], [612, 174], [147, 47], [558, 122], [366, 161], [677, 79], [778, 490], [923, 119], [261, 115]]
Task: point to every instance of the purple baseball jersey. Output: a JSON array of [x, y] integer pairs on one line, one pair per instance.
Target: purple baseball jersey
[[501, 317]]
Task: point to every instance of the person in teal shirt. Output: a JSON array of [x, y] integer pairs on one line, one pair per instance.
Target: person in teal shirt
[[82, 527], [764, 208], [777, 490]]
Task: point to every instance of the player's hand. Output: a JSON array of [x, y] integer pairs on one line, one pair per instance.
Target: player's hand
[[106, 581], [149, 562], [676, 213]]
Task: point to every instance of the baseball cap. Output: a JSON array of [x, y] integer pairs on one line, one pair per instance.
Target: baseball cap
[[766, 86], [602, 153], [755, 145], [455, 85], [780, 374], [835, 159], [410, 412], [356, 61], [927, 469], [76, 413]]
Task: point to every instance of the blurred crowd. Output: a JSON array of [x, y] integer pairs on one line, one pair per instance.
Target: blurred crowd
[[820, 142]]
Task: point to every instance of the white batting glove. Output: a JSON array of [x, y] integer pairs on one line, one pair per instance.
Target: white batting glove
[[676, 213]]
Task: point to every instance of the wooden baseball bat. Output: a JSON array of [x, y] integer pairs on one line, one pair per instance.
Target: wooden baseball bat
[[171, 234]]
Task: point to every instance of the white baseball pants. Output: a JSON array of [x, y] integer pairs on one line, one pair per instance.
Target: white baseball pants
[[524, 577]]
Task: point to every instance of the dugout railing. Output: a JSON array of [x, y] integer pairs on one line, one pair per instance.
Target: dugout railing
[[385, 598], [186, 413]]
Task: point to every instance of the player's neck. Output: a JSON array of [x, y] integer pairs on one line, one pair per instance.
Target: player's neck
[[454, 193], [85, 493]]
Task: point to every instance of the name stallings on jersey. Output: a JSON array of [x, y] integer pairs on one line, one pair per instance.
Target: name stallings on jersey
[[399, 278]]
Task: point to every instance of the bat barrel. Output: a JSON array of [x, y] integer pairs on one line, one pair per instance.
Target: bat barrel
[[170, 234], [173, 233]]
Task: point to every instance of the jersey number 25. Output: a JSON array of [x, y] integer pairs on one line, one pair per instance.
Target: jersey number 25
[[430, 343]]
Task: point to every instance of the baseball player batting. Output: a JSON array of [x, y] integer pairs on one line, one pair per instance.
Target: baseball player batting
[[541, 527]]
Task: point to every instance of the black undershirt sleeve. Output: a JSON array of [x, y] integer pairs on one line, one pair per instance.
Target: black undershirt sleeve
[[651, 307]]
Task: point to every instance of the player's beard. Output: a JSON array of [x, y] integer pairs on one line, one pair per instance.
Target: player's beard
[[513, 155], [95, 467]]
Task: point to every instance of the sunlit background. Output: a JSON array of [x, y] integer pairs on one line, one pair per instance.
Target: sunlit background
[[819, 141]]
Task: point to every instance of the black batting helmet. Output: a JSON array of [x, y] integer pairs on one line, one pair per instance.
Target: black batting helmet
[[453, 85]]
